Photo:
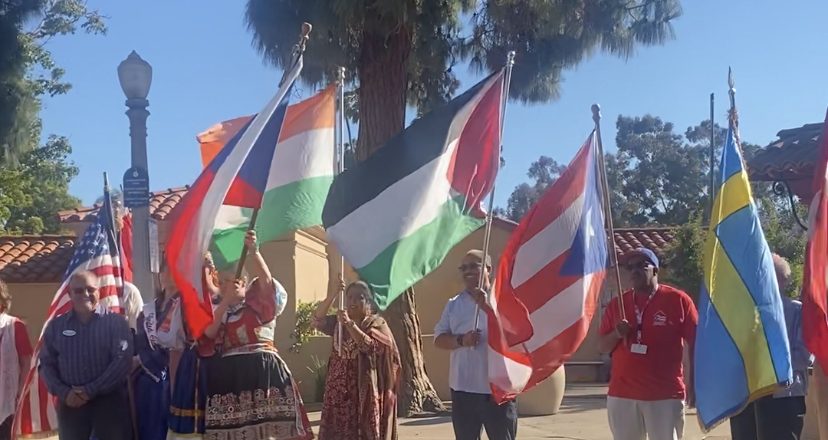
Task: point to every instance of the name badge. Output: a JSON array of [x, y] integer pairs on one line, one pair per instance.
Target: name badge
[[69, 333], [638, 348]]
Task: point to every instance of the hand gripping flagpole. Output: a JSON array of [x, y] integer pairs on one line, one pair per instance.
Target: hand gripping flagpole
[[507, 79], [339, 149], [298, 50], [596, 117]]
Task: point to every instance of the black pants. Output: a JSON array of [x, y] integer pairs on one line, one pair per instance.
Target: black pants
[[470, 412], [770, 419], [107, 415], [6, 428]]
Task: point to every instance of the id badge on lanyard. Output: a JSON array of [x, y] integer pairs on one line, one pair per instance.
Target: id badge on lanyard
[[638, 347]]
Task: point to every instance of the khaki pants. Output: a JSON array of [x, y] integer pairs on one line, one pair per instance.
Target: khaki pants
[[640, 419]]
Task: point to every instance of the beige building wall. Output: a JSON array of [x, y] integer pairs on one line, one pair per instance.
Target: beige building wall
[[30, 302]]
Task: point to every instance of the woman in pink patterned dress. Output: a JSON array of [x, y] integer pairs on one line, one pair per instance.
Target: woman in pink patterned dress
[[360, 401]]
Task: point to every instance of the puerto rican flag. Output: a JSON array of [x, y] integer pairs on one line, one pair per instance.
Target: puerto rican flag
[[237, 176], [548, 280]]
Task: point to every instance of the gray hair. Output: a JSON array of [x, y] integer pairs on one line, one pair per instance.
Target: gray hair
[[782, 268]]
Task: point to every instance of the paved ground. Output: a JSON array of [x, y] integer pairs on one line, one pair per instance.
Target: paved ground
[[583, 416]]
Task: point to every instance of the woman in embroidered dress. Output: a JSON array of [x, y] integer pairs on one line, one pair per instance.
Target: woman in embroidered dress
[[15, 356], [251, 393], [156, 333], [360, 400]]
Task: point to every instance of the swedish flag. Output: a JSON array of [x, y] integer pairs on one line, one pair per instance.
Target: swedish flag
[[742, 350]]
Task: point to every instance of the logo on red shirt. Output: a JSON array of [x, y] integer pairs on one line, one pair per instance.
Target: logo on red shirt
[[660, 319]]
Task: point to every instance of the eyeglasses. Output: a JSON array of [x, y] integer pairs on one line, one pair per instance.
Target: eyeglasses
[[640, 265], [82, 290], [469, 266]]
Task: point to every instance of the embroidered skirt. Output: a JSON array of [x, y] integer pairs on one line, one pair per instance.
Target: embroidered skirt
[[252, 396], [186, 419]]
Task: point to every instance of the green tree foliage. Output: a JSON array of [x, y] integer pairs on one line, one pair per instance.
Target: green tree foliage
[[684, 262], [14, 94], [34, 178], [662, 179], [32, 193]]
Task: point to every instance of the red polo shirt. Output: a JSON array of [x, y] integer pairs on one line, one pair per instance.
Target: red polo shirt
[[668, 319]]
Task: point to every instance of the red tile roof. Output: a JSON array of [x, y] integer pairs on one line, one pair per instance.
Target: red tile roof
[[657, 239], [35, 259], [791, 157], [161, 204], [654, 239]]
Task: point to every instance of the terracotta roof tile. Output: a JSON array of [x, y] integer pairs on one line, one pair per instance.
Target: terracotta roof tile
[[161, 204], [655, 239], [790, 157], [35, 259]]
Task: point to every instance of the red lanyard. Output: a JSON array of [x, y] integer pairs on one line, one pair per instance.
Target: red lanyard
[[639, 314]]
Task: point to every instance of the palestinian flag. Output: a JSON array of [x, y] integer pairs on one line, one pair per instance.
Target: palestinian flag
[[395, 216], [300, 175]]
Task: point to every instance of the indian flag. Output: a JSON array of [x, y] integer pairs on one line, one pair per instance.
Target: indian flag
[[395, 216], [298, 182]]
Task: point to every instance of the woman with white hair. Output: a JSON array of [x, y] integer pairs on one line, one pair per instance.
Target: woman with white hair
[[782, 415]]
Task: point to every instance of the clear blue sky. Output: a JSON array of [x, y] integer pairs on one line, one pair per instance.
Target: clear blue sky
[[206, 70]]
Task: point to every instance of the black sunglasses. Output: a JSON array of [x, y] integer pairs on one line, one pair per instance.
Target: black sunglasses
[[640, 265], [469, 266]]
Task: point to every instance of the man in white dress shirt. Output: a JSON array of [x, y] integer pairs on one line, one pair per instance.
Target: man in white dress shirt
[[472, 404]]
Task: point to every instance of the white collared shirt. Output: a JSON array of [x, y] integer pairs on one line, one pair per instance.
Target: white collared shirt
[[469, 370]]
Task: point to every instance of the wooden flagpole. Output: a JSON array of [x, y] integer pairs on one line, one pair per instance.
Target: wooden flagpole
[[596, 117], [510, 62], [298, 50], [339, 149]]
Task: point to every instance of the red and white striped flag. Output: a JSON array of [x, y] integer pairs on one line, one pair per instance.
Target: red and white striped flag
[[815, 280], [97, 252], [548, 279]]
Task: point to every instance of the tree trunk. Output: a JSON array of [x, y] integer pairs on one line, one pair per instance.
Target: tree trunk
[[382, 101], [382, 88], [417, 395]]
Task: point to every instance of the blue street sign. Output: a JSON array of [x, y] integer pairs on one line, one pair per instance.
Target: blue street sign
[[136, 188]]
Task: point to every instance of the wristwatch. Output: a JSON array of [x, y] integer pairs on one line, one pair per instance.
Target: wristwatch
[[460, 340]]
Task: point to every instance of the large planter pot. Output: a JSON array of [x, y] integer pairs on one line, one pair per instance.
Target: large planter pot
[[545, 399]]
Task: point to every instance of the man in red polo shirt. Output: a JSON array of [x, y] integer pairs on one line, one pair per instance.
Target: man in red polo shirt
[[646, 391]]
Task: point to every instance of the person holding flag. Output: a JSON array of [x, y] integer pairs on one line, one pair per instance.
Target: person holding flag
[[249, 373], [647, 384]]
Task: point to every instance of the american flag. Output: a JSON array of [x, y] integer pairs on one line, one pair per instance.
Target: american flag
[[96, 252]]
